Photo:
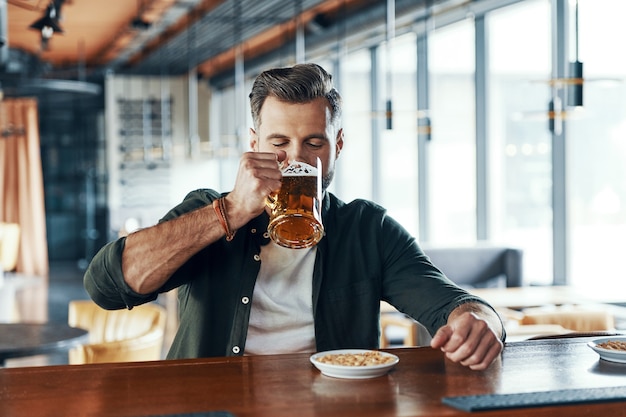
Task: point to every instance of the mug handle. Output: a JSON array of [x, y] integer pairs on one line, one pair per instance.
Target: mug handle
[[270, 202]]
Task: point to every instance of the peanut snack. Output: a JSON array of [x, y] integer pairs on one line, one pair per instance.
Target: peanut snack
[[356, 359], [613, 345]]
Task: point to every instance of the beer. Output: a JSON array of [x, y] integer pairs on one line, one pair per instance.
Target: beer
[[296, 213]]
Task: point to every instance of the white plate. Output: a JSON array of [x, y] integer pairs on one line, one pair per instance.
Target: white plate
[[609, 354], [353, 372]]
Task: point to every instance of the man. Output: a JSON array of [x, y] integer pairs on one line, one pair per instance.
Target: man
[[240, 293]]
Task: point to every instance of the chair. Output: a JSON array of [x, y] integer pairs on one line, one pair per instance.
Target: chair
[[479, 266], [117, 335], [391, 320], [9, 245], [470, 267]]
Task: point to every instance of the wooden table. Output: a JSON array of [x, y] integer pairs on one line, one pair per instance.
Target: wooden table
[[288, 385], [29, 339], [523, 297]]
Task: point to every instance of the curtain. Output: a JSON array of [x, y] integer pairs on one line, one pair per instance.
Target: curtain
[[21, 182]]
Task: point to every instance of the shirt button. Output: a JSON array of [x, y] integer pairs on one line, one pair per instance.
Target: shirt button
[[236, 349], [257, 258], [266, 235], [245, 300], [253, 230]]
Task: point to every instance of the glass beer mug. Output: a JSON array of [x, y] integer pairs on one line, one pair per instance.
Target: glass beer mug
[[296, 209]]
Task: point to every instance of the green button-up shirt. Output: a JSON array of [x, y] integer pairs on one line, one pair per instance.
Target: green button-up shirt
[[364, 257]]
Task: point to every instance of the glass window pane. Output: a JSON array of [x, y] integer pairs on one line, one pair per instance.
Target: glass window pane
[[520, 141], [452, 151], [353, 177], [398, 149], [596, 152]]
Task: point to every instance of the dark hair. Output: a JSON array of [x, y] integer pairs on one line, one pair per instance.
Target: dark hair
[[301, 83]]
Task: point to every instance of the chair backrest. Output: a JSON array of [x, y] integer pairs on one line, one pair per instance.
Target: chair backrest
[[117, 335], [479, 266], [9, 245]]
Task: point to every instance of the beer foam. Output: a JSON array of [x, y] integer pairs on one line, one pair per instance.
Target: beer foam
[[299, 169]]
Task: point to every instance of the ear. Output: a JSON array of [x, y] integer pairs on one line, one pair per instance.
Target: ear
[[254, 140], [339, 143]]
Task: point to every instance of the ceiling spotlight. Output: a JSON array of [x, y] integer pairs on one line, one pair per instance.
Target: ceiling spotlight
[[48, 25], [140, 24]]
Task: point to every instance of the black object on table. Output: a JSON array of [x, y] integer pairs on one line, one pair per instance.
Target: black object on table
[[29, 339], [536, 399]]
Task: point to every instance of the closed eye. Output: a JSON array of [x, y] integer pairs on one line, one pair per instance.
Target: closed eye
[[279, 143], [316, 143]]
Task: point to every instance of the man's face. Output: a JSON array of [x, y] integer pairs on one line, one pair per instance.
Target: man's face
[[303, 131]]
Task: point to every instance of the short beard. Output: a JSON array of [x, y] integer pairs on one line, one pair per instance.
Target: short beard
[[327, 179]]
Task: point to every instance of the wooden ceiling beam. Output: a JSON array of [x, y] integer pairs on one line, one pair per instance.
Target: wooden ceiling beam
[[151, 12], [177, 28], [271, 39]]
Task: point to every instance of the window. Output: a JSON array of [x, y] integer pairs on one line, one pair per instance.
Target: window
[[596, 140], [452, 166], [519, 137], [398, 147], [354, 166]]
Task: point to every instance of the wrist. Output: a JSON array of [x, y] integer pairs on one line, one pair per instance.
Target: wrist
[[219, 206], [236, 212]]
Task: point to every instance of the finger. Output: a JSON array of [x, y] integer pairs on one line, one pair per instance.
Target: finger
[[281, 155], [457, 338], [476, 342], [258, 176], [261, 165], [471, 339], [441, 337], [490, 357], [267, 159], [271, 157], [476, 354]]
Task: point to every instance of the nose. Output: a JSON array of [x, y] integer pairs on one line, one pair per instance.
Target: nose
[[297, 152]]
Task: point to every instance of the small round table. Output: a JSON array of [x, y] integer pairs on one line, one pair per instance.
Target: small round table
[[29, 339]]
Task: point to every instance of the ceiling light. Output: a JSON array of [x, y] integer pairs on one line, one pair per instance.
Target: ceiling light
[[139, 23], [575, 93], [48, 25], [390, 36]]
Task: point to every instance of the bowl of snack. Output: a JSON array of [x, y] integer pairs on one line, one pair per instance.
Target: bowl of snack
[[354, 363], [611, 348]]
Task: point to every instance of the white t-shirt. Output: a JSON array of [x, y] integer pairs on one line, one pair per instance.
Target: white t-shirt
[[281, 316]]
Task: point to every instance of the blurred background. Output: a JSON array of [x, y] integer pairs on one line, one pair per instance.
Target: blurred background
[[485, 121]]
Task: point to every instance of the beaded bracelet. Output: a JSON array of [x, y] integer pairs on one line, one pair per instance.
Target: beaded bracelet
[[219, 206]]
